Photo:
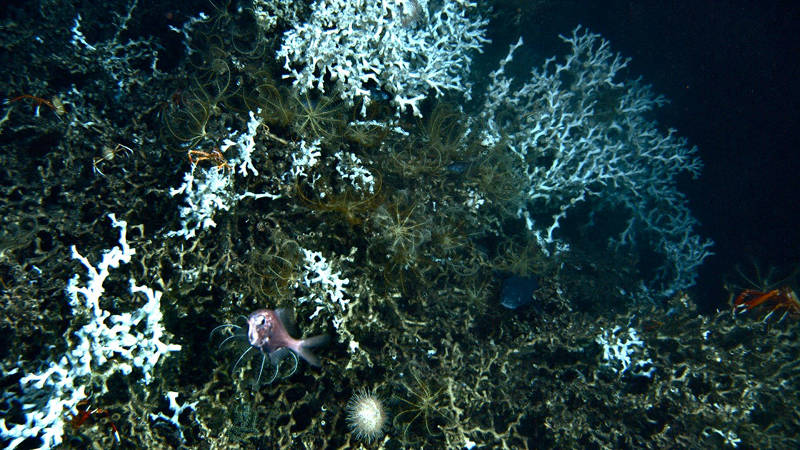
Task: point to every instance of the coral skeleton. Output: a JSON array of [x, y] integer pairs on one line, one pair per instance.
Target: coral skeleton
[[327, 287], [105, 345], [400, 48], [625, 351], [207, 191], [177, 409], [582, 136]]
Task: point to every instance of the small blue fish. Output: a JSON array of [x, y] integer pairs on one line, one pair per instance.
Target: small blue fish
[[518, 291], [458, 167]]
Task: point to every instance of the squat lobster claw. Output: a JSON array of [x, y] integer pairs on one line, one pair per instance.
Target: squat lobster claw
[[215, 156], [85, 411], [56, 104], [783, 298]]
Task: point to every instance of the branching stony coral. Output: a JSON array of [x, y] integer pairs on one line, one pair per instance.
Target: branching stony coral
[[106, 345], [582, 137], [401, 47]]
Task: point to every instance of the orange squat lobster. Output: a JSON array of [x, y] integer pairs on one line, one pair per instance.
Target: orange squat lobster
[[775, 300], [85, 411]]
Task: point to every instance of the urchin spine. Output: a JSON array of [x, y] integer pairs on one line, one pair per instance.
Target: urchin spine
[[366, 415]]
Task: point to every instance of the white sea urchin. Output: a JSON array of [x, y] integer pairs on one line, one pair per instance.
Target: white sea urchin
[[366, 415]]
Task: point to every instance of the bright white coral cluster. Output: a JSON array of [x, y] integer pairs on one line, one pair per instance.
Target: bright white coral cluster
[[351, 168], [305, 157], [326, 287], [623, 351], [582, 136], [245, 143], [205, 191], [404, 48], [106, 344]]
